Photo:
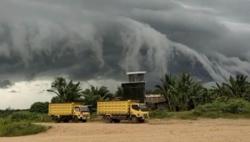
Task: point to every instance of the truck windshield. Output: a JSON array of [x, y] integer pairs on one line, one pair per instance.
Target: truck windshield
[[143, 107], [84, 109], [135, 107]]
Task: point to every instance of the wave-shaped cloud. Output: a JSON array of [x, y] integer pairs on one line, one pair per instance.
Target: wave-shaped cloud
[[85, 39]]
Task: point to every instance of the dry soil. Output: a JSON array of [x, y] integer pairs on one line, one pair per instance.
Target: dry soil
[[205, 130]]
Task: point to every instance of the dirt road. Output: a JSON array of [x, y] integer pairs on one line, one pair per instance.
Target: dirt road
[[219, 130]]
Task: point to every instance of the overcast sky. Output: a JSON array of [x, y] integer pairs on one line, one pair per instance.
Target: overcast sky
[[99, 40]]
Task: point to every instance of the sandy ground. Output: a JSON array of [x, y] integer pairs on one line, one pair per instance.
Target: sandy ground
[[218, 130]]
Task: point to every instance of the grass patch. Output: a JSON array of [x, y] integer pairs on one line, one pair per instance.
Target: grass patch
[[160, 114], [28, 116], [8, 128], [233, 108]]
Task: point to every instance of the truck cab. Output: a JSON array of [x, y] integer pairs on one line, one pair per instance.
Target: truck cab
[[81, 112], [138, 112]]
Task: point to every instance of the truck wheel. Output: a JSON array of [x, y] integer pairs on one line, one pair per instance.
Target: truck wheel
[[65, 119], [56, 119], [107, 119], [75, 119], [84, 120], [141, 120], [134, 119], [116, 120]]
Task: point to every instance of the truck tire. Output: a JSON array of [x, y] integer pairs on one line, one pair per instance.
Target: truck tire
[[107, 119], [74, 119], [141, 120], [56, 119], [116, 120], [66, 119], [83, 120], [134, 119]]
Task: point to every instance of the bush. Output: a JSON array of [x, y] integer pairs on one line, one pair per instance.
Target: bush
[[159, 114], [9, 128], [237, 106], [6, 112], [220, 108], [177, 115], [39, 107], [29, 116], [23, 115]]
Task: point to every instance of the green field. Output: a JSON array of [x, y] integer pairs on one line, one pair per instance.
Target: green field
[[22, 123], [9, 128], [233, 108]]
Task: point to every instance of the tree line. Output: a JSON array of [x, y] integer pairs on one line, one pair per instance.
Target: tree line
[[181, 92]]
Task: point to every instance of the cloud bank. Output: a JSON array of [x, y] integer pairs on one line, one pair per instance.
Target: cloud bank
[[88, 39]]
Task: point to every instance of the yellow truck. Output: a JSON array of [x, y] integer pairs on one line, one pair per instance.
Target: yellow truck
[[115, 111], [68, 112]]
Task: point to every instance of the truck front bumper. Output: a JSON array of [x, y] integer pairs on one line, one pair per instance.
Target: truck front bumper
[[84, 117]]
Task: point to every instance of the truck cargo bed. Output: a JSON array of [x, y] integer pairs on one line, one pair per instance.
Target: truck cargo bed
[[113, 107], [61, 109]]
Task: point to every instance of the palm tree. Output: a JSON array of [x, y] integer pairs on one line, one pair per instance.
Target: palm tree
[[65, 92], [94, 94], [199, 95], [220, 91], [182, 92], [237, 87], [166, 89]]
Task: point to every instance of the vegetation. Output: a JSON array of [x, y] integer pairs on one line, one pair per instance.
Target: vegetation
[[23, 115], [165, 114], [237, 87], [11, 128], [39, 107], [65, 91], [72, 92], [233, 108], [182, 93], [219, 108], [20, 122], [94, 94], [7, 112]]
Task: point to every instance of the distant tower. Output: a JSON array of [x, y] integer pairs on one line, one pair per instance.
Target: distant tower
[[135, 88]]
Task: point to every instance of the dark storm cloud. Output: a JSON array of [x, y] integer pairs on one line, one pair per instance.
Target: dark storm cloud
[[104, 38], [5, 83]]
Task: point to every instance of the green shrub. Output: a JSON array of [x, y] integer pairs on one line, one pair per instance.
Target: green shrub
[[220, 108], [237, 106], [29, 116], [177, 115], [43, 118], [159, 114], [39, 107], [9, 128], [184, 115], [23, 115], [6, 112]]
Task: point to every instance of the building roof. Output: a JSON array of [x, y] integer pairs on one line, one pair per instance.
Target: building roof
[[136, 72], [153, 95]]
